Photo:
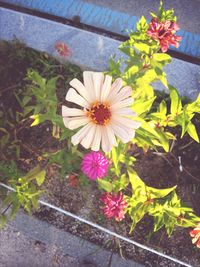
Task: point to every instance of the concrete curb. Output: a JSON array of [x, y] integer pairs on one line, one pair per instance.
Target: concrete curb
[[107, 15], [89, 50], [70, 245]]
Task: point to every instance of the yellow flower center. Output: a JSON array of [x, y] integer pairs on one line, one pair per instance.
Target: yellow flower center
[[99, 113]]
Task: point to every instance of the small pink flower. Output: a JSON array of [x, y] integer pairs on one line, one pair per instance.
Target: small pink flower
[[94, 165], [164, 33], [114, 205], [62, 49], [73, 180], [196, 235]]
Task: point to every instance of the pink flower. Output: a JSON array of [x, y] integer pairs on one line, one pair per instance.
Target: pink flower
[[114, 205], [94, 165], [164, 33], [196, 235], [62, 49]]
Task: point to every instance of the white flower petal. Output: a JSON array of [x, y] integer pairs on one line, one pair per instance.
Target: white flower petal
[[88, 138], [115, 87], [124, 112], [72, 112], [74, 97], [89, 85], [76, 138], [122, 104], [106, 146], [66, 121], [106, 88], [97, 139], [98, 79], [125, 134], [124, 93], [80, 88], [126, 122], [77, 122], [111, 136]]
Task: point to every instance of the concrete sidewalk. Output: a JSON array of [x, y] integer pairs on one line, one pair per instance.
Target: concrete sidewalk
[[118, 16], [29, 242], [18, 249], [42, 34]]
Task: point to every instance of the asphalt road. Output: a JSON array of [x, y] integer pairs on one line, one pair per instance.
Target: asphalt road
[[187, 11]]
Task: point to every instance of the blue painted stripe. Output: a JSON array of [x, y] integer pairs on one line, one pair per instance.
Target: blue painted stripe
[[103, 17]]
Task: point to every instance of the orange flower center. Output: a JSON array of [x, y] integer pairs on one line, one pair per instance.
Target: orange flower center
[[99, 113]]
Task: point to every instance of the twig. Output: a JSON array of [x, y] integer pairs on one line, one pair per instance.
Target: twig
[[6, 209], [185, 170], [187, 145], [8, 88], [30, 149], [110, 259], [164, 157], [46, 141]]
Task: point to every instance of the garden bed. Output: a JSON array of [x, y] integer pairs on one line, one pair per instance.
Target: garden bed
[[25, 147]]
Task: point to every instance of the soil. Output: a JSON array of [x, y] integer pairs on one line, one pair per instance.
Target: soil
[[160, 170]]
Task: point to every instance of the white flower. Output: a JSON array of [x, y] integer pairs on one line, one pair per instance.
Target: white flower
[[105, 112]]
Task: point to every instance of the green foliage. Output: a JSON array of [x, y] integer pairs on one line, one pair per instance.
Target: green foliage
[[164, 15], [67, 160], [143, 198], [170, 212], [163, 204], [9, 169], [33, 98], [26, 194], [43, 92], [45, 96]]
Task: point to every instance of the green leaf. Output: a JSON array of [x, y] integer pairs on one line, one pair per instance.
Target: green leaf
[[35, 203], [120, 183], [105, 185], [162, 108], [38, 118], [115, 157], [142, 24], [35, 77], [3, 220], [158, 222], [40, 177], [142, 47], [129, 74], [26, 99], [51, 86], [159, 193], [163, 138], [30, 175], [162, 57], [176, 105], [126, 48], [135, 180], [191, 130], [140, 106], [194, 106], [15, 208]]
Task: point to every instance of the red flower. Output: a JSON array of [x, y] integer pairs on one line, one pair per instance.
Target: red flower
[[73, 180], [164, 33], [114, 205], [196, 235], [63, 49]]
